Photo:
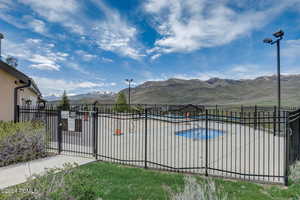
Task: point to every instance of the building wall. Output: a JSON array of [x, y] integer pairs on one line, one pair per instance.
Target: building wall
[[27, 94], [7, 85]]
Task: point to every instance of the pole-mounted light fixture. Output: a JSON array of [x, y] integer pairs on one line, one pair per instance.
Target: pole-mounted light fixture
[[268, 40], [278, 35]]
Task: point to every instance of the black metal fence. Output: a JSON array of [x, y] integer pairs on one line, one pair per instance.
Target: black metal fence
[[293, 131], [257, 144]]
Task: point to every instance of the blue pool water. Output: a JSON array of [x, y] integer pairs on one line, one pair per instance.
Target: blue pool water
[[193, 117], [199, 133]]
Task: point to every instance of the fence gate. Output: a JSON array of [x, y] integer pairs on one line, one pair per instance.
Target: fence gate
[[76, 132]]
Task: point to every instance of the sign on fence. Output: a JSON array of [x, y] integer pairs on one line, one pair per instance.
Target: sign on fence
[[64, 114], [69, 119], [71, 124]]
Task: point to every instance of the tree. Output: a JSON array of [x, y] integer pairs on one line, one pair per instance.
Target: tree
[[121, 103], [12, 61], [64, 103]]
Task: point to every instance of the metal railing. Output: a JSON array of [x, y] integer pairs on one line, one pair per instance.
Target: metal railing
[[255, 145]]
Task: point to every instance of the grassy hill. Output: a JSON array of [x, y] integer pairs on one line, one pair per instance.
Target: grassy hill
[[261, 91]]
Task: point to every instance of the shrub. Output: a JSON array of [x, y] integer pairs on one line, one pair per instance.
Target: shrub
[[56, 183], [195, 191], [21, 142], [295, 172]]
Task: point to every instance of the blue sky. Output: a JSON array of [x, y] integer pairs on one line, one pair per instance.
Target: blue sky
[[93, 45]]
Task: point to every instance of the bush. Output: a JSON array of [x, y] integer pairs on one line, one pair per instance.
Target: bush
[[295, 172], [21, 142], [57, 183], [203, 191]]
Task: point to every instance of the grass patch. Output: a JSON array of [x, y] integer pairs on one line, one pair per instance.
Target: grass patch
[[110, 181], [100, 180]]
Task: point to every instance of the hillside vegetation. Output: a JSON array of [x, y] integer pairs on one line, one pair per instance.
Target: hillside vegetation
[[261, 91]]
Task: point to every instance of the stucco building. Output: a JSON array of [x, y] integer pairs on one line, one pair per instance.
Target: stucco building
[[16, 88]]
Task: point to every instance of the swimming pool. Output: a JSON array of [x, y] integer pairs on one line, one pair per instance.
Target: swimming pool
[[200, 133], [212, 117]]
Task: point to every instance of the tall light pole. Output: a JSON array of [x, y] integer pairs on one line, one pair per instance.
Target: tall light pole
[[129, 84], [278, 35], [1, 37]]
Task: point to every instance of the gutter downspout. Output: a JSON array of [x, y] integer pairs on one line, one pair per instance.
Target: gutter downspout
[[16, 98]]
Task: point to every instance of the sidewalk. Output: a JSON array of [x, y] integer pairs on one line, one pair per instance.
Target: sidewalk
[[18, 173]]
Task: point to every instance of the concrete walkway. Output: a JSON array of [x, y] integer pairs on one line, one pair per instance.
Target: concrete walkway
[[18, 173]]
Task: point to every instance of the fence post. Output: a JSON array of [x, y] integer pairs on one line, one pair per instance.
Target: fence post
[[146, 116], [206, 142], [274, 121], [242, 113], [59, 126], [95, 132], [17, 113], [298, 135], [255, 117], [287, 134]]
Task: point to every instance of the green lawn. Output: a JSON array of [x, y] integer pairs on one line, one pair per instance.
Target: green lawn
[[112, 181]]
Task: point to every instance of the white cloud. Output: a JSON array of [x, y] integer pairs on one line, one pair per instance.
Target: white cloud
[[45, 66], [155, 6], [7, 13], [243, 68], [76, 67], [155, 56], [291, 49], [35, 24], [34, 40], [10, 19], [51, 86], [55, 10], [108, 60], [115, 34], [111, 33], [38, 26], [85, 55], [41, 55], [187, 26], [5, 4], [43, 62]]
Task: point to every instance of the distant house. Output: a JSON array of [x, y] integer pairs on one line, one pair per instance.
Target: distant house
[[16, 88]]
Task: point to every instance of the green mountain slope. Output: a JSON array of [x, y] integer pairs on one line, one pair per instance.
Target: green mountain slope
[[262, 90]]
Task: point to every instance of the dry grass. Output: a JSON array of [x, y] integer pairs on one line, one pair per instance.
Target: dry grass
[[200, 191], [295, 172]]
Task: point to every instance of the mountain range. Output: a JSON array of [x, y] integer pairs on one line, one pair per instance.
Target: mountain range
[[261, 91]]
